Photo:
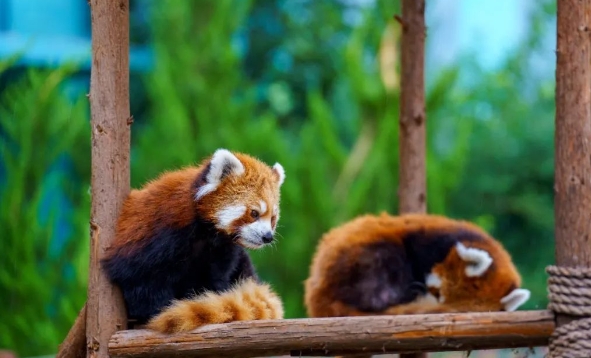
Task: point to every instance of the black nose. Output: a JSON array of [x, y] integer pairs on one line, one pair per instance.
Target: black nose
[[267, 237]]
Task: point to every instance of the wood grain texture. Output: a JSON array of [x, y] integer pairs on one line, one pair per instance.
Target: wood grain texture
[[412, 188], [109, 107], [74, 345], [572, 188], [573, 134], [344, 335]]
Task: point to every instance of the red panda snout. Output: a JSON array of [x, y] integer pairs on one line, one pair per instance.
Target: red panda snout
[[256, 234]]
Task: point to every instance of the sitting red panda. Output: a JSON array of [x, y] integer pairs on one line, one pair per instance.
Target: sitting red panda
[[178, 255], [410, 264]]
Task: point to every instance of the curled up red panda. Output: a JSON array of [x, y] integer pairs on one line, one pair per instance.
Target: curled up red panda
[[410, 264], [179, 253]]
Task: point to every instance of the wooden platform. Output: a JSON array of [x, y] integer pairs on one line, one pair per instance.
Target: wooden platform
[[334, 336]]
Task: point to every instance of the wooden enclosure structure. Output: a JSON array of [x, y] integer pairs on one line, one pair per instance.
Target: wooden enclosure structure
[[565, 326]]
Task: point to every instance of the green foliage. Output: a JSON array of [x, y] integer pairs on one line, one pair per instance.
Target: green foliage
[[306, 91], [336, 169], [42, 283]]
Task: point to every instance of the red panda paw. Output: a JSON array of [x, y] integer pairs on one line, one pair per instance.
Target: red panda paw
[[246, 301]]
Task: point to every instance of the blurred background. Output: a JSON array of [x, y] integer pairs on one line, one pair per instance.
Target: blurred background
[[311, 84]]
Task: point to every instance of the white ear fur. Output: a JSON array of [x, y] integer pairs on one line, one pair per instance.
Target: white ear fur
[[222, 164], [278, 168], [480, 260], [516, 298]]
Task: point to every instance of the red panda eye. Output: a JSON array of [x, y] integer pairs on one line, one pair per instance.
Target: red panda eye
[[254, 214]]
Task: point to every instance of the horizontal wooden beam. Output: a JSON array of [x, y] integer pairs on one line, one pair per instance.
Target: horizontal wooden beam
[[332, 336]]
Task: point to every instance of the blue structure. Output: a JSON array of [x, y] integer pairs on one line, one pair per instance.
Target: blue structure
[[50, 33]]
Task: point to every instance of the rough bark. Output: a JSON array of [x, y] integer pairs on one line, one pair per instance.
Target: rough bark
[[109, 106], [412, 179], [573, 136], [343, 335], [74, 345], [412, 187]]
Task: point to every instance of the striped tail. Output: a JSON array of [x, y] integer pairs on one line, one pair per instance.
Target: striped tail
[[248, 300]]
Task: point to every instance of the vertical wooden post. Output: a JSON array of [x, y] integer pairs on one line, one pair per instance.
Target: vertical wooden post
[[572, 173], [412, 187], [110, 126]]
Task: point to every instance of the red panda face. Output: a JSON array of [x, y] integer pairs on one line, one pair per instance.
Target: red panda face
[[240, 196], [480, 275]]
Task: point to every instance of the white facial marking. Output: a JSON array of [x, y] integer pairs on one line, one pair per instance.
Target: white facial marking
[[516, 298], [263, 206], [278, 168], [228, 214], [251, 234], [223, 162], [433, 280], [479, 259]]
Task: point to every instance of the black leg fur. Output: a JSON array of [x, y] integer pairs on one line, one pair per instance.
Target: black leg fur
[[176, 264]]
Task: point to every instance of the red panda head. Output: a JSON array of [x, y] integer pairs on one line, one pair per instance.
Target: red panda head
[[240, 195], [479, 274]]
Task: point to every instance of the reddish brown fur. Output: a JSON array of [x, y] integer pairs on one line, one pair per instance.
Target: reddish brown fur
[[167, 200], [247, 301], [461, 293], [250, 187]]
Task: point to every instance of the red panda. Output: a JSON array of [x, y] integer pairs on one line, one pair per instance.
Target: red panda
[[179, 251], [410, 264]]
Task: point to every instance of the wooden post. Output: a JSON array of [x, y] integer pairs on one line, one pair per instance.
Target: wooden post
[[412, 187], [74, 345], [110, 126], [573, 136]]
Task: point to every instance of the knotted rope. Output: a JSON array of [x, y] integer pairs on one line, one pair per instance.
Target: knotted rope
[[569, 292]]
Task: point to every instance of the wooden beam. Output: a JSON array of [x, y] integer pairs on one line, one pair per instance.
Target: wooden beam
[[572, 136], [412, 187], [343, 335], [74, 345], [110, 127]]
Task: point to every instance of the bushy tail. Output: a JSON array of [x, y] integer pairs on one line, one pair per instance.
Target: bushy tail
[[246, 301]]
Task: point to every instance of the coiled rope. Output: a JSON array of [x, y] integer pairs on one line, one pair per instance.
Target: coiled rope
[[569, 292]]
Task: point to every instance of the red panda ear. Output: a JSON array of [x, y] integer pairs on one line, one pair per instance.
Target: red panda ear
[[515, 298], [279, 172], [479, 260], [222, 164]]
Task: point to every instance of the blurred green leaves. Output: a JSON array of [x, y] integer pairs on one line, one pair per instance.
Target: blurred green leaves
[[315, 93], [42, 281]]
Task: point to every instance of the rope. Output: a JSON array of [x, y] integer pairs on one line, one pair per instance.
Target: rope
[[570, 293]]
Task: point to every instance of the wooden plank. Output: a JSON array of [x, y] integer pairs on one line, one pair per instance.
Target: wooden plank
[[343, 335], [110, 127], [412, 187], [572, 172]]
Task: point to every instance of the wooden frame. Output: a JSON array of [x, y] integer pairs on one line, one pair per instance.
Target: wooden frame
[[345, 335], [104, 321]]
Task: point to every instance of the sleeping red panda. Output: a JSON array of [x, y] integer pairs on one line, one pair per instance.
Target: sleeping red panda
[[178, 255], [410, 264]]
